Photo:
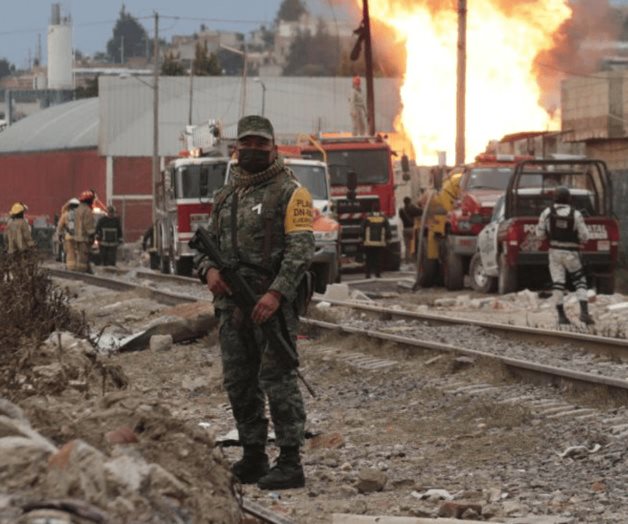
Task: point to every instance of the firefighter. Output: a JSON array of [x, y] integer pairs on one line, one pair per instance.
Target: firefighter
[[407, 214], [109, 235], [18, 232], [85, 230], [566, 231], [358, 108], [376, 234], [66, 229]]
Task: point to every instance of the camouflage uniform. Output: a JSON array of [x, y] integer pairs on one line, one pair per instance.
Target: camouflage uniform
[[251, 367], [84, 232], [18, 236]]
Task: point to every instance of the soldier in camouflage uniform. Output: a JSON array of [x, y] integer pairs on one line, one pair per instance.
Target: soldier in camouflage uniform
[[261, 220]]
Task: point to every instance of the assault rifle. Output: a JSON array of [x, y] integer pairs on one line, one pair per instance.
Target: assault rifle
[[245, 299]]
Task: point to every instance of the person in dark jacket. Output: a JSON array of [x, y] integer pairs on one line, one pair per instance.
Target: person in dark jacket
[[376, 234], [407, 214], [109, 235]]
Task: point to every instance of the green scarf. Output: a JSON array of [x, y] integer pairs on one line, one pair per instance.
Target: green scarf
[[243, 179]]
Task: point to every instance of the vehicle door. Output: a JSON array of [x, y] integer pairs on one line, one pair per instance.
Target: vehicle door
[[487, 239]]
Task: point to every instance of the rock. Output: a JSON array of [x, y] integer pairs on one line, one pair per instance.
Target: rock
[[160, 343], [127, 472], [513, 508], [436, 494], [356, 294], [121, 435], [462, 363], [327, 441], [22, 462], [445, 302], [194, 383], [183, 322], [598, 486], [11, 410], [455, 510], [370, 480], [337, 292]]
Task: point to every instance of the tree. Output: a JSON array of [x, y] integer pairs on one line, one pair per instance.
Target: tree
[[205, 63], [171, 65], [89, 90], [291, 10], [6, 68], [313, 55], [129, 39]]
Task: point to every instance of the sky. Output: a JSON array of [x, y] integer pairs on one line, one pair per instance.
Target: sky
[[93, 20]]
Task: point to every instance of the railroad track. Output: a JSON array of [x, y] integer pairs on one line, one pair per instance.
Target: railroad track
[[556, 348]]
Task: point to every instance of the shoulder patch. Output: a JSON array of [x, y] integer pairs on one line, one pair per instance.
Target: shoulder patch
[[299, 212]]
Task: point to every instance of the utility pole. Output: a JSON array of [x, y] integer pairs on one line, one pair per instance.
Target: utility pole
[[191, 93], [368, 57], [155, 171], [462, 82], [244, 75]]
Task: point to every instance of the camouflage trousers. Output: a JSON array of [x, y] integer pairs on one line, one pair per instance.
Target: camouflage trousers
[[562, 261], [251, 372]]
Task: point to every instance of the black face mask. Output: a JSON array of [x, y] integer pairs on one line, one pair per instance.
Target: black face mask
[[253, 160]]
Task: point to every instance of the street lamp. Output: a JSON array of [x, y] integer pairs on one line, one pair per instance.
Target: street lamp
[[244, 70], [259, 81]]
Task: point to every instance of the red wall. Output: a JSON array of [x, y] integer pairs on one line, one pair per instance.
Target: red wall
[[132, 176], [45, 181]]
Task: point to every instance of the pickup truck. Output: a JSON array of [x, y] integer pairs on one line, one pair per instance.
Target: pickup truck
[[509, 254]]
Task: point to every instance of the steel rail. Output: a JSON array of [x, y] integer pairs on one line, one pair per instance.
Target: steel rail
[[163, 297], [614, 347], [513, 363]]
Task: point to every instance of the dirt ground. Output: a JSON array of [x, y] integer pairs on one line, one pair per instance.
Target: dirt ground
[[380, 440]]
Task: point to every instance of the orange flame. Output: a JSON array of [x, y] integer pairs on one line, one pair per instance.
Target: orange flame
[[503, 39]]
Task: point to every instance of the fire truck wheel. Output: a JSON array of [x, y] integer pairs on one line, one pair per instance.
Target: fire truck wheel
[[605, 285], [453, 271], [480, 281], [185, 265], [507, 280], [164, 264], [426, 270]]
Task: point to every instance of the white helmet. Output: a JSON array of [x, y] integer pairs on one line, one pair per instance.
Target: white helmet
[[74, 201]]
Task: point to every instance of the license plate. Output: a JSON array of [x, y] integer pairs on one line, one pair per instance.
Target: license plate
[[603, 245]]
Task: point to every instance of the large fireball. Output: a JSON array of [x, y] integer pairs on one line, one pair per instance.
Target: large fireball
[[503, 39]]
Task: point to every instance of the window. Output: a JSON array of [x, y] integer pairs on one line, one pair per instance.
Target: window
[[313, 177], [488, 178], [371, 165], [200, 180]]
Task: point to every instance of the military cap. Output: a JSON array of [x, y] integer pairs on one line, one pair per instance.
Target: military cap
[[255, 125]]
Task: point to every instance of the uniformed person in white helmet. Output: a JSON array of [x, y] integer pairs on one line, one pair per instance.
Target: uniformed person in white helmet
[[564, 227], [66, 231]]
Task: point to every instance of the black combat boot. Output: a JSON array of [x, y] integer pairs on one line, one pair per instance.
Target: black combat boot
[[252, 466], [562, 318], [287, 473], [584, 313]]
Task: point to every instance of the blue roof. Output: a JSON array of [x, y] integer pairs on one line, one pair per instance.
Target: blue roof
[[72, 125]]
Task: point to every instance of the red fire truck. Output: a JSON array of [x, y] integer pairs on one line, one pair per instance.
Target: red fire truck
[[184, 201], [370, 157]]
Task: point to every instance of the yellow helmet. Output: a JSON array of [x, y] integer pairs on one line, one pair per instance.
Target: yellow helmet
[[17, 208]]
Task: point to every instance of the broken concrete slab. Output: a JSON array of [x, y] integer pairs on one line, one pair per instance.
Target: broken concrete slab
[[183, 322], [337, 292]]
